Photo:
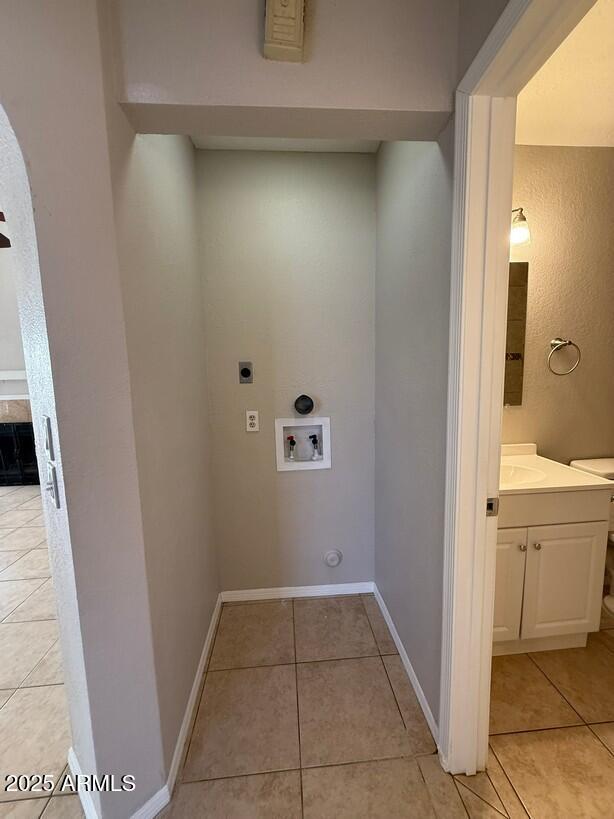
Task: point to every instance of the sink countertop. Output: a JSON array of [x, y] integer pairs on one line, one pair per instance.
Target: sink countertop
[[544, 475]]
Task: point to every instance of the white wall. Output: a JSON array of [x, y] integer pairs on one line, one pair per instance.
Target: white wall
[[476, 19], [162, 289], [379, 60], [414, 200], [76, 360], [154, 190], [568, 197], [11, 348], [289, 257]]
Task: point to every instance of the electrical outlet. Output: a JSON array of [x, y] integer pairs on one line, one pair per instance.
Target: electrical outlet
[[252, 421]]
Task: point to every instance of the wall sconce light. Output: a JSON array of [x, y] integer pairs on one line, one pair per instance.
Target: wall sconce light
[[520, 233]]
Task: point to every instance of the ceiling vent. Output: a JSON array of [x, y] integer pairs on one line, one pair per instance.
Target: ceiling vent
[[283, 34]]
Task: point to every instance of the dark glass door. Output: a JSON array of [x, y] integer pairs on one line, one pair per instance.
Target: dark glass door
[[17, 455]]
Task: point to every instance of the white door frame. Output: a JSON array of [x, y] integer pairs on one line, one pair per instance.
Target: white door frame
[[526, 34]]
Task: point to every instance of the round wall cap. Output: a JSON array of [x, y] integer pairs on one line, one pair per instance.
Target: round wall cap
[[333, 558], [303, 405]]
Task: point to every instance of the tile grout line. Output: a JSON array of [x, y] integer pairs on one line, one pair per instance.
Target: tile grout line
[[460, 786], [298, 714], [25, 548], [26, 552], [599, 739], [511, 784], [384, 665], [310, 768], [24, 600], [21, 685], [300, 662], [537, 730], [15, 690], [483, 798], [495, 789], [556, 688], [460, 797]]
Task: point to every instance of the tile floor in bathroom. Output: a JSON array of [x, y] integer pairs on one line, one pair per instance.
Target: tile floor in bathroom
[[552, 728], [34, 726]]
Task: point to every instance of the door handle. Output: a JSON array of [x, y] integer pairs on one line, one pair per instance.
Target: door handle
[[522, 547], [537, 546]]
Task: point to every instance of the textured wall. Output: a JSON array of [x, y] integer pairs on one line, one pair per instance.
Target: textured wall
[[289, 258], [414, 200], [568, 197], [570, 101]]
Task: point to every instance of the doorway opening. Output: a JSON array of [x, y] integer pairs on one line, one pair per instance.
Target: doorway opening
[[497, 332], [553, 663], [35, 608]]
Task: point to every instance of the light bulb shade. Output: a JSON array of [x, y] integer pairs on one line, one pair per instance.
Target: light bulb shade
[[520, 233]]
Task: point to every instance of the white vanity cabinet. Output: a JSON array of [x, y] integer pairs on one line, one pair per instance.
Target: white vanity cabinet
[[549, 582], [551, 547]]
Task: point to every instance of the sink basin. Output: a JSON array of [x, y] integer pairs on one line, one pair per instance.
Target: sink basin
[[512, 475]]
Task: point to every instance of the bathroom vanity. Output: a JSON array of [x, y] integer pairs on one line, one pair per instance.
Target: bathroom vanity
[[551, 549]]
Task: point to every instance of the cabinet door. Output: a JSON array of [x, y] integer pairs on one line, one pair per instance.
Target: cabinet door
[[511, 555], [564, 579]]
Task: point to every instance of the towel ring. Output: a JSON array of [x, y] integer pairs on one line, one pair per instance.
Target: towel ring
[[557, 344]]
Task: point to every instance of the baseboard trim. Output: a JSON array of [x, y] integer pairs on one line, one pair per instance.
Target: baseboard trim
[[153, 806], [85, 797], [332, 590], [428, 714], [149, 810], [161, 798], [193, 698]]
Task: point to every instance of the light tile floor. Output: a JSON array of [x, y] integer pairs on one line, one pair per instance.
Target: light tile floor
[[306, 711], [34, 726], [552, 731]]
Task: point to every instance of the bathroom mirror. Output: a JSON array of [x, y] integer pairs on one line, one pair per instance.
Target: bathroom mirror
[[516, 330]]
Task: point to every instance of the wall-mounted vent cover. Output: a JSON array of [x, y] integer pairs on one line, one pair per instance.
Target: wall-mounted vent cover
[[283, 34]]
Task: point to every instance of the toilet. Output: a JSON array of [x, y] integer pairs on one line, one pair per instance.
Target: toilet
[[604, 468]]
